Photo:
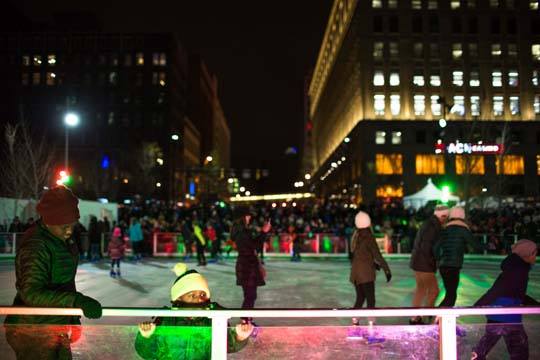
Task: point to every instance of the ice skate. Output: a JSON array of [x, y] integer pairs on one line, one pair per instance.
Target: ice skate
[[112, 274]]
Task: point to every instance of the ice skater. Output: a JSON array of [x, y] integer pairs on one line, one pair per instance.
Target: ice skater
[[366, 259], [116, 251], [186, 337], [423, 261], [510, 289], [449, 252]]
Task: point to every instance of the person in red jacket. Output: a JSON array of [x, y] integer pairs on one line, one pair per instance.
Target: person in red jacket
[[116, 251]]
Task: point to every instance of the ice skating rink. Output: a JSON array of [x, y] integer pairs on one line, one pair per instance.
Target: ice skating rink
[[312, 283]]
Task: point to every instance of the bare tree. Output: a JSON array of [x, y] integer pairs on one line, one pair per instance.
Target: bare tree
[[27, 162]]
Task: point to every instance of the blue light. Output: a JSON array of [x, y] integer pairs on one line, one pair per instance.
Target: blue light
[[192, 188], [105, 162]]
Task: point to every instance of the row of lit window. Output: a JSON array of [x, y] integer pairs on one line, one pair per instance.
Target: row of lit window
[[158, 59], [457, 78], [51, 78], [428, 164], [454, 4], [457, 108], [457, 50]]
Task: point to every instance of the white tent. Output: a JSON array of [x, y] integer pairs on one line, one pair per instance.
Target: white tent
[[428, 193]]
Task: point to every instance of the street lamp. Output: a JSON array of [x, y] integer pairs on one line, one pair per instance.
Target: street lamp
[[70, 120], [209, 159]]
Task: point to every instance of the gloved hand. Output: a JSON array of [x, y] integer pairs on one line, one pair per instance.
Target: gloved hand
[[147, 329], [91, 307], [388, 276]]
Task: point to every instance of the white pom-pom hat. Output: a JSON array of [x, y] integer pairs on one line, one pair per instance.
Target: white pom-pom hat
[[187, 281], [457, 212], [362, 220]]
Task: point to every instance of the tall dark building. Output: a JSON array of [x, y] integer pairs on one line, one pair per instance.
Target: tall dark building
[[404, 91]]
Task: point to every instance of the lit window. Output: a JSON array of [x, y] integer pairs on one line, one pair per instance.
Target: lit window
[[470, 164], [457, 51], [494, 3], [416, 4], [418, 80], [50, 80], [25, 80], [396, 137], [514, 105], [394, 49], [535, 52], [459, 105], [37, 60], [36, 78], [419, 104], [457, 78], [387, 191], [533, 4], [395, 104], [536, 104], [378, 50], [496, 78], [378, 78], [496, 50], [513, 78], [51, 59], [127, 60], [475, 105], [162, 78], [392, 4], [418, 49], [474, 80], [498, 105], [26, 60], [512, 50], [155, 59], [537, 164], [473, 50], [162, 59], [455, 4], [433, 4], [436, 108], [394, 79], [378, 104], [471, 4], [380, 137], [113, 78], [389, 164], [536, 77], [429, 164], [139, 59], [435, 80], [376, 4], [511, 165]]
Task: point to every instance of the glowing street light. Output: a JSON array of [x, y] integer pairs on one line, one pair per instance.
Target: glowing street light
[[175, 137], [307, 176], [230, 180], [158, 184], [346, 140], [248, 193], [209, 158], [70, 120], [442, 123], [242, 189]]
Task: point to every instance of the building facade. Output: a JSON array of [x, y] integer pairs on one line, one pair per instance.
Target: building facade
[[396, 81]]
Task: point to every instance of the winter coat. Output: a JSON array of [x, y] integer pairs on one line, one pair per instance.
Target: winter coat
[[210, 233], [422, 258], [197, 231], [94, 233], [135, 232], [510, 289], [248, 272], [45, 268], [116, 248], [183, 338], [365, 254], [454, 239]]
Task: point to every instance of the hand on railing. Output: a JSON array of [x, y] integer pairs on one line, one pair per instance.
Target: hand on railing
[[243, 331], [147, 328], [91, 307]]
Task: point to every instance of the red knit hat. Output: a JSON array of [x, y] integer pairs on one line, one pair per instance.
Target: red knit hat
[[58, 206]]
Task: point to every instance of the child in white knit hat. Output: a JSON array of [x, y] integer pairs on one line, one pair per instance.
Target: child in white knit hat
[[184, 337]]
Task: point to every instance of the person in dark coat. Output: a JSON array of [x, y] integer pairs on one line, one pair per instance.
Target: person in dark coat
[[94, 239], [510, 289], [249, 270], [423, 261], [16, 226], [449, 253], [45, 268], [187, 234], [366, 259], [78, 230]]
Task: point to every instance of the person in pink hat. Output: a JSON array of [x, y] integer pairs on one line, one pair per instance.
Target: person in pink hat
[[116, 251]]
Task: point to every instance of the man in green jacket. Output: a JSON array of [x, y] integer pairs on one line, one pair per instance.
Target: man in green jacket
[[45, 268]]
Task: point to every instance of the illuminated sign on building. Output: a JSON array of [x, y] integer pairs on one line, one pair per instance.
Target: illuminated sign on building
[[468, 148]]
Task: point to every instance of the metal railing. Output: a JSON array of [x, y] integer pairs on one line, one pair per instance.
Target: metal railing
[[447, 316]]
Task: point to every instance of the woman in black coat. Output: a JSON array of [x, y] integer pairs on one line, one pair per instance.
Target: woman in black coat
[[249, 271]]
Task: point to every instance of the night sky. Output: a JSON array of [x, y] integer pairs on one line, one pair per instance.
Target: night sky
[[261, 53]]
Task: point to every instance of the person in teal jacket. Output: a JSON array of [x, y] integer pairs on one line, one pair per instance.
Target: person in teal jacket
[[184, 337], [449, 253], [136, 237]]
